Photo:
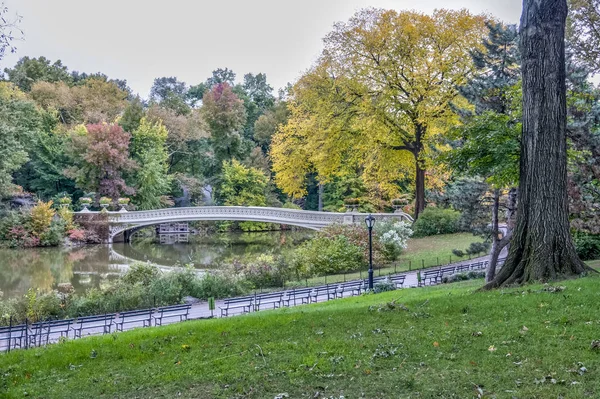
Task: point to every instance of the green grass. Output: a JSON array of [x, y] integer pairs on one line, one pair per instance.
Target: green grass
[[438, 342], [594, 263], [421, 252]]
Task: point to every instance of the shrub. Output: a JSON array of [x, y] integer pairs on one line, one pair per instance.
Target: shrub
[[67, 216], [393, 237], [218, 285], [472, 275], [357, 235], [265, 271], [384, 286], [587, 245], [324, 255], [41, 217], [142, 273], [433, 221], [54, 235]]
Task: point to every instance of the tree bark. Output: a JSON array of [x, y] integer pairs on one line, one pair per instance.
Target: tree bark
[[499, 244], [321, 190], [541, 247], [420, 131]]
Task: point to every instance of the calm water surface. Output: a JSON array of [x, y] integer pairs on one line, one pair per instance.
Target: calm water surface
[[97, 266]]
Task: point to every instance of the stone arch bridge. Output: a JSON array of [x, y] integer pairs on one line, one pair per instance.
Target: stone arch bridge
[[123, 222]]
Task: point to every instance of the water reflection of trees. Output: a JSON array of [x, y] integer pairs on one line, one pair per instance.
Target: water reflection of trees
[[90, 266], [213, 250], [45, 268]]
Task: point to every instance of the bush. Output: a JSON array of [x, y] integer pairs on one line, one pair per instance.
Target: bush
[[357, 235], [384, 286], [393, 237], [435, 221], [472, 275], [142, 273], [264, 272], [41, 217], [323, 255], [587, 245], [54, 235]]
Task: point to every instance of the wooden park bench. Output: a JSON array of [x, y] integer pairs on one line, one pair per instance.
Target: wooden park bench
[[322, 290], [335, 292], [244, 303], [432, 276], [40, 332], [302, 295], [273, 299], [355, 287], [134, 316], [103, 322], [174, 311], [447, 271], [398, 280], [463, 268], [13, 336]]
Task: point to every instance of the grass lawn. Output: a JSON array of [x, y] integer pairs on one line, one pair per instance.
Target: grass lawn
[[438, 342], [421, 252], [594, 263]]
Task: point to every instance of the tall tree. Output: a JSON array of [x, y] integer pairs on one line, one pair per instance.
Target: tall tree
[[541, 247], [396, 75], [28, 71], [101, 157], [583, 32], [225, 115], [170, 93], [487, 143], [19, 122], [148, 149]]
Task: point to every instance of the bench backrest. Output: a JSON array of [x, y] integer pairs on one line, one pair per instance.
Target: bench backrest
[[234, 301], [108, 318]]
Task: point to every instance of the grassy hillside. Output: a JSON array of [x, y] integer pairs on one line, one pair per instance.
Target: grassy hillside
[[439, 342]]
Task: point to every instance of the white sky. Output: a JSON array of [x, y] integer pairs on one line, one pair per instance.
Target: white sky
[[139, 40]]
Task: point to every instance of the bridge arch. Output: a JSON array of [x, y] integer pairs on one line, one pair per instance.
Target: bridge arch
[[120, 222]]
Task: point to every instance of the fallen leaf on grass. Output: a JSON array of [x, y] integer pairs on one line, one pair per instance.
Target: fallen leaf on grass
[[436, 344]]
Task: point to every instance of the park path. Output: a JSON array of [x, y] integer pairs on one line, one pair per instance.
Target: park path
[[201, 310]]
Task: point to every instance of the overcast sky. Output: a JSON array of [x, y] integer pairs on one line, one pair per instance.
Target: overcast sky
[[139, 40]]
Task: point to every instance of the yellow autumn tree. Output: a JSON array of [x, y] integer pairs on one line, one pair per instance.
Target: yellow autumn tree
[[377, 98]]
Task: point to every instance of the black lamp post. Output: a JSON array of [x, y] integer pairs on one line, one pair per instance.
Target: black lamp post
[[370, 221]]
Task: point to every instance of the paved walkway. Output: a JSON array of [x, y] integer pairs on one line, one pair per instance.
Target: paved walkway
[[201, 310]]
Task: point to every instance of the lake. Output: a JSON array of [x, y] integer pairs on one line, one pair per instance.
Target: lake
[[98, 265]]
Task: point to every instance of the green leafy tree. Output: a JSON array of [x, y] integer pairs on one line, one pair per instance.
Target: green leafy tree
[[133, 114], [225, 116], [28, 71], [243, 186], [20, 121], [148, 149], [583, 33], [170, 93], [542, 247]]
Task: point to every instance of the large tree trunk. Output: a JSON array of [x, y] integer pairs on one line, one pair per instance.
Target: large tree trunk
[[420, 131], [499, 244], [321, 191], [419, 191], [541, 247]]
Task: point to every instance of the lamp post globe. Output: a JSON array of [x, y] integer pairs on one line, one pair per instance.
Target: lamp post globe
[[370, 222]]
